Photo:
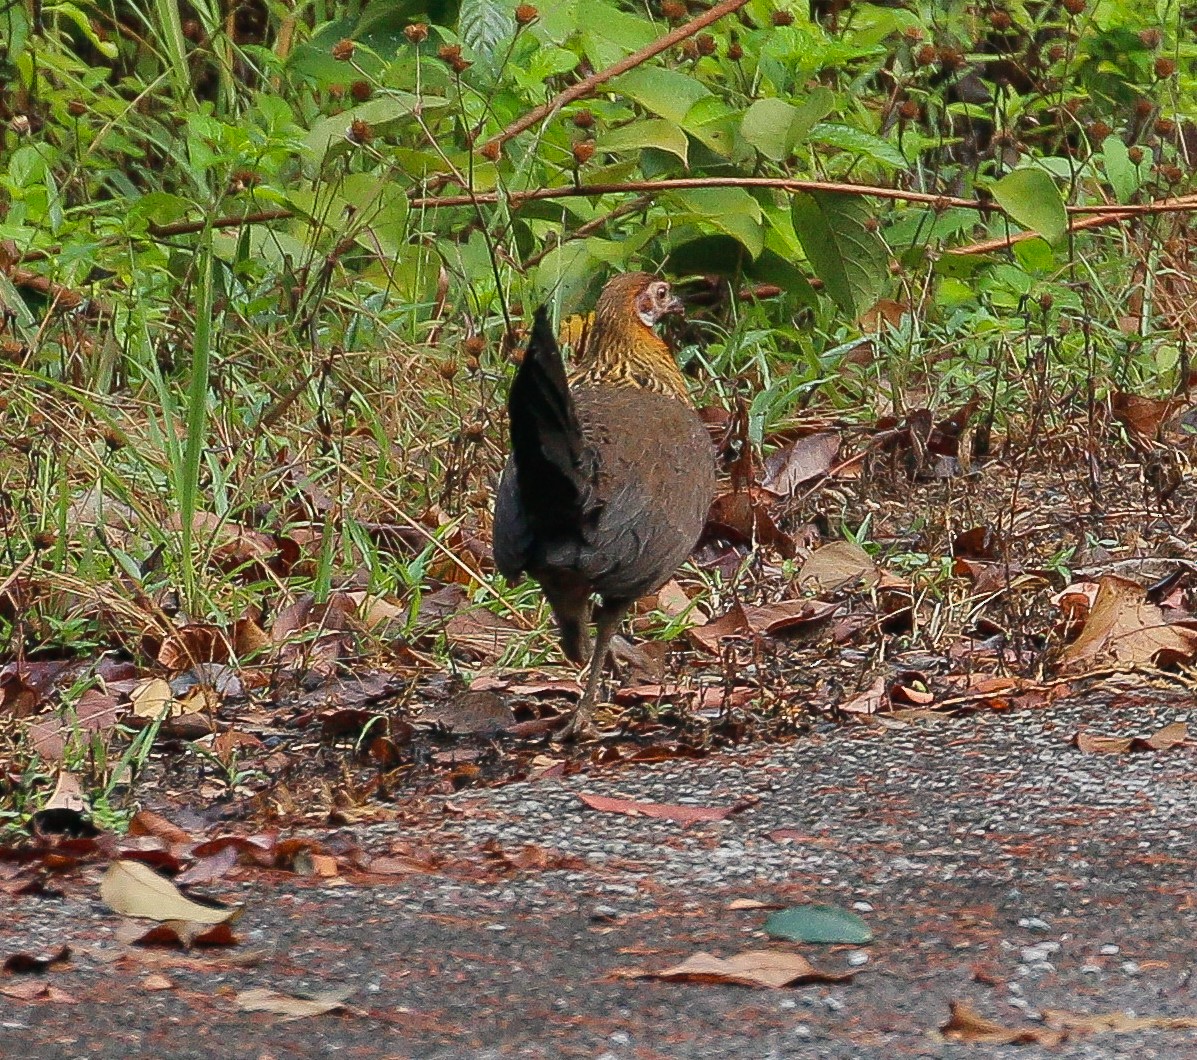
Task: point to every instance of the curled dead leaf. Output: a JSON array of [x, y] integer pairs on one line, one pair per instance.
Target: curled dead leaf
[[771, 969]]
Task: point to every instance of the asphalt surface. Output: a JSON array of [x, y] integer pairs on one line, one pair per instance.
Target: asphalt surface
[[995, 862]]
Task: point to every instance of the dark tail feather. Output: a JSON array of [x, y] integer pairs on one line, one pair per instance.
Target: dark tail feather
[[546, 438]]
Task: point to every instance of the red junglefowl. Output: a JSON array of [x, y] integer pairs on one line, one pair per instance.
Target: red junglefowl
[[611, 473]]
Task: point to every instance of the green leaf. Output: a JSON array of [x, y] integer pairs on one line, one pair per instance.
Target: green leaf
[[664, 92], [486, 27], [858, 142], [609, 34], [12, 302], [328, 136], [774, 127], [1032, 199], [846, 255], [1121, 172], [730, 210], [818, 923], [648, 132]]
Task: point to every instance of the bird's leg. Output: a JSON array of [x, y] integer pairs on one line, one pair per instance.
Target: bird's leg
[[606, 622]]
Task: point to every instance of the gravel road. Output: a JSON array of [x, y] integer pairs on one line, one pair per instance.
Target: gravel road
[[996, 864]]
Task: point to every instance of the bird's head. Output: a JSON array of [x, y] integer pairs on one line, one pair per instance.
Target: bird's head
[[622, 349], [638, 296]]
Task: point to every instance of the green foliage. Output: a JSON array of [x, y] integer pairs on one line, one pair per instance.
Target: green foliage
[[218, 357]]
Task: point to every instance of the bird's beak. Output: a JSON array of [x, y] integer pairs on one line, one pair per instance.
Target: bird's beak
[[674, 305]]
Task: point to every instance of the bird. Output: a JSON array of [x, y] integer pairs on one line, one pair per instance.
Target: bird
[[610, 474]]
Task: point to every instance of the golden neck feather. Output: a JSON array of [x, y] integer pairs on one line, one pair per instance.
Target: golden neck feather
[[619, 350]]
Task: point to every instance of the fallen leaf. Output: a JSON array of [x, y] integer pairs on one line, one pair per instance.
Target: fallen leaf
[[135, 890], [796, 464], [788, 616], [184, 933], [1115, 1022], [480, 634], [966, 1024], [709, 637], [293, 1006], [36, 990], [838, 566], [818, 923], [1123, 627], [751, 903], [665, 811], [1168, 737], [146, 822], [152, 698], [771, 969]]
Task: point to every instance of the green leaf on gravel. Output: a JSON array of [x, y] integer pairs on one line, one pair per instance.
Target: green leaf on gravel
[[1031, 197], [818, 923]]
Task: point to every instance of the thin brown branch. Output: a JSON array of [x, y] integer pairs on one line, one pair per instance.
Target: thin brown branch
[[1100, 216], [987, 246], [587, 85], [642, 187], [181, 228]]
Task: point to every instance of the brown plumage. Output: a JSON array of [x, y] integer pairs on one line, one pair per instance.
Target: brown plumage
[[611, 472]]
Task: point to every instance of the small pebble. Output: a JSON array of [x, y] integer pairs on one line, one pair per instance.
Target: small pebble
[[1130, 967], [802, 1030], [833, 1003], [1109, 950], [1034, 923], [620, 1038], [862, 907], [857, 958]]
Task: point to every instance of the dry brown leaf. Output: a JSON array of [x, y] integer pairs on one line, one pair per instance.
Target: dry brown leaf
[[1115, 1022], [788, 616], [709, 637], [838, 566], [135, 890], [293, 1006], [1166, 738], [68, 794], [152, 698], [36, 990], [146, 822], [771, 969], [171, 933], [666, 811], [1123, 627], [968, 1025], [480, 634], [794, 465]]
